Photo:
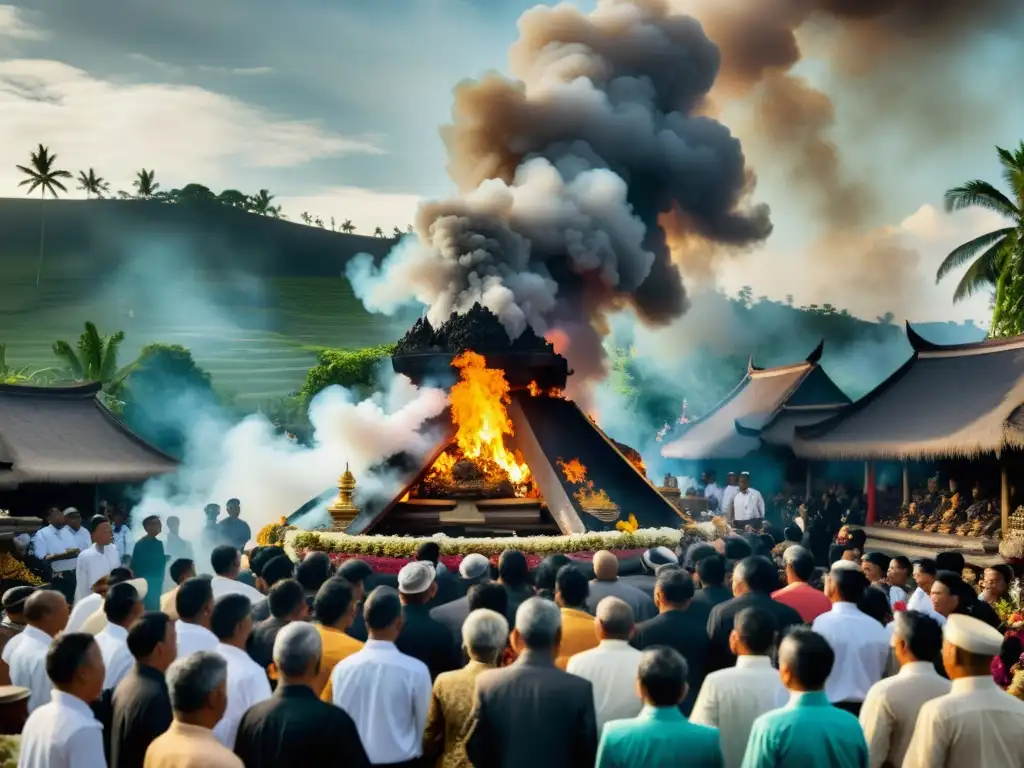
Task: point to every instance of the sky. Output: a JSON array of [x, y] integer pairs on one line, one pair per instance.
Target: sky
[[335, 108]]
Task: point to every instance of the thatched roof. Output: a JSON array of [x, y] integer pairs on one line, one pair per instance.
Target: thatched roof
[[762, 409], [959, 400], [65, 435]]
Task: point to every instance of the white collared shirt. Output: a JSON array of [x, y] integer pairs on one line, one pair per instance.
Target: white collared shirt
[[52, 541], [748, 506], [862, 651], [113, 643], [83, 609], [124, 542], [890, 710], [83, 539], [732, 699], [193, 638], [28, 666], [387, 694], [611, 669], [247, 685], [728, 494], [976, 724], [921, 602], [62, 734], [222, 586], [713, 491], [92, 566]]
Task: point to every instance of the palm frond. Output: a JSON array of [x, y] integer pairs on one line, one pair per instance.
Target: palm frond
[[108, 366], [90, 349], [981, 194], [63, 351], [983, 273], [964, 253]]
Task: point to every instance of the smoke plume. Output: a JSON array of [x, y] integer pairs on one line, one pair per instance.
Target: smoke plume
[[563, 173]]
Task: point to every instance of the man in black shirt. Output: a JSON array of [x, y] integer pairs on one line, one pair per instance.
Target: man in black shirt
[[272, 571], [681, 624], [711, 572], [293, 727], [422, 637], [233, 529], [287, 602], [142, 704], [356, 572]]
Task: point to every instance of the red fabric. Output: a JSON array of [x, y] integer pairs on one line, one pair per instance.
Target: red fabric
[[452, 562], [809, 602]]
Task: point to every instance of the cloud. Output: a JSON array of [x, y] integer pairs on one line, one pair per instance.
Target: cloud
[[185, 132], [14, 26], [366, 208]]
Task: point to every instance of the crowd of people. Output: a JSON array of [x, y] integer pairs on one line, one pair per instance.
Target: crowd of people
[[742, 652]]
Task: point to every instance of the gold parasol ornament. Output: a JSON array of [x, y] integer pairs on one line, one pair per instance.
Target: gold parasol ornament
[[343, 510]]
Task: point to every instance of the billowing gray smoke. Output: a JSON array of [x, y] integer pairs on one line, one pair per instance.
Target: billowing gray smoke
[[563, 173]]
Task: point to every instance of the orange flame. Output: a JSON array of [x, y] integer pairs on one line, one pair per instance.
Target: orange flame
[[590, 498], [573, 470], [535, 391]]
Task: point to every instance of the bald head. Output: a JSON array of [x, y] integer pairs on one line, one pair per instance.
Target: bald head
[[614, 619], [606, 566], [47, 610]]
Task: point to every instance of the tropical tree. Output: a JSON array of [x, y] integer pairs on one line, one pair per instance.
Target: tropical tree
[[192, 193], [234, 199], [334, 225], [994, 256], [262, 203], [95, 358], [397, 233], [347, 226], [378, 232], [145, 184], [319, 222], [306, 218], [42, 174], [92, 184]]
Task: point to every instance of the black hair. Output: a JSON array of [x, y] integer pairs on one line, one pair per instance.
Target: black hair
[[180, 567], [332, 600], [259, 556], [802, 564], [96, 521], [545, 573], [1011, 650], [902, 561], [147, 633], [859, 538], [228, 612], [67, 654], [224, 559], [663, 672], [927, 565], [382, 608], [572, 586], [958, 588], [759, 573], [355, 571], [711, 571], [429, 551], [193, 596], [737, 548], [793, 533], [675, 586], [808, 656], [850, 584], [234, 503], [285, 597], [756, 627], [768, 541], [875, 603], [277, 568], [950, 561], [513, 569], [697, 552], [120, 602], [1003, 569], [313, 571], [118, 575], [492, 596], [150, 517], [921, 633]]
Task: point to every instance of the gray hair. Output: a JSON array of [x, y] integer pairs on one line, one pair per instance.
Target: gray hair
[[297, 647], [193, 678], [484, 634], [616, 617], [538, 622], [794, 552]]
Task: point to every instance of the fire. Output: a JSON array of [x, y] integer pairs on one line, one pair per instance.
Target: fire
[[573, 470], [535, 390]]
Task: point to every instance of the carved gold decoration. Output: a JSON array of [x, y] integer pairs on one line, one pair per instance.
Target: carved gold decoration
[[342, 510]]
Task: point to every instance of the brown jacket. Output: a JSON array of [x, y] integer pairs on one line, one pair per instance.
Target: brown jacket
[[450, 708]]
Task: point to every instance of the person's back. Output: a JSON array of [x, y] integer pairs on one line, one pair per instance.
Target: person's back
[[607, 584], [532, 713], [808, 731], [809, 602], [422, 637], [711, 570]]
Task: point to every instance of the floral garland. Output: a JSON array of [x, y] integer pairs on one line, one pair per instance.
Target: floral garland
[[12, 569], [273, 534]]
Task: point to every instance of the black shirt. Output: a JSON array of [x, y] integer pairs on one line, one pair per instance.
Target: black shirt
[[234, 531], [709, 597], [428, 640], [142, 711], [723, 619], [294, 728], [261, 641], [687, 632]]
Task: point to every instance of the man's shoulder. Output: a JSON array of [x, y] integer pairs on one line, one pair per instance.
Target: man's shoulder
[[548, 677], [451, 609]]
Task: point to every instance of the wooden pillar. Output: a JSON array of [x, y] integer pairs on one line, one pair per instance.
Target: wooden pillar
[[807, 490], [906, 484], [872, 493], [1004, 495]]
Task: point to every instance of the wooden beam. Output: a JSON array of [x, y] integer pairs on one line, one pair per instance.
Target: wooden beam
[[906, 484], [1004, 495]]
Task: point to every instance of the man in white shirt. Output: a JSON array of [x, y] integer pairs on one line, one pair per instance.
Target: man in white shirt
[[81, 535], [732, 699], [46, 613], [97, 559], [384, 691], [860, 643], [64, 733], [712, 491], [87, 614], [728, 494], [890, 710], [194, 605], [122, 607], [56, 545], [227, 564], [925, 571], [976, 723], [875, 567], [746, 505], [612, 667], [124, 541], [247, 681]]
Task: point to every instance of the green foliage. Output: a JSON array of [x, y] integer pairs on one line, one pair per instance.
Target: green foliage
[[41, 174], [25, 374], [353, 369], [234, 199], [95, 358]]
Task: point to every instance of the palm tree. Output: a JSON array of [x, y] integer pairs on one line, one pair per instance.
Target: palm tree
[[347, 226], [398, 234], [319, 222], [993, 255], [334, 225], [96, 358], [261, 203], [306, 218], [145, 184], [44, 176], [378, 232], [92, 184]]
